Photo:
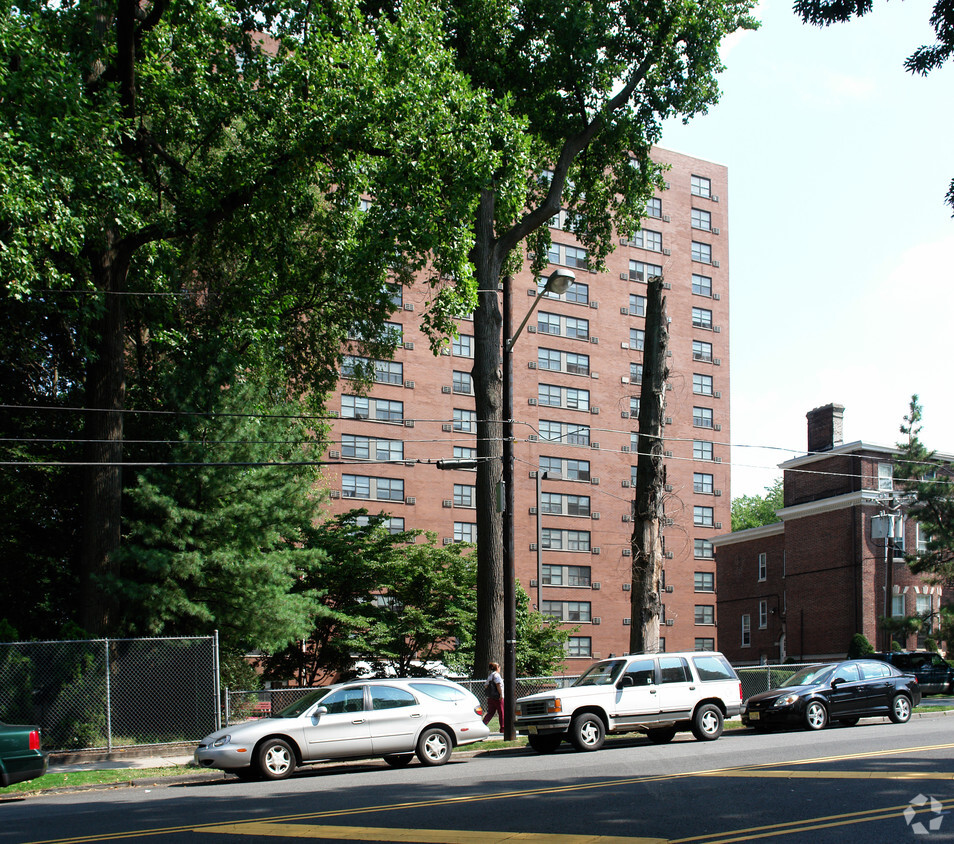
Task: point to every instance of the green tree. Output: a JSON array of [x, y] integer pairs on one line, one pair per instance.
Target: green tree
[[217, 536], [221, 154], [922, 61], [928, 484], [590, 82], [749, 511], [859, 646]]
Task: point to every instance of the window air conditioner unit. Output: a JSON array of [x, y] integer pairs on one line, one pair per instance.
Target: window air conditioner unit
[[410, 500], [596, 619], [334, 455], [445, 390], [669, 588], [595, 586], [669, 622], [627, 587]]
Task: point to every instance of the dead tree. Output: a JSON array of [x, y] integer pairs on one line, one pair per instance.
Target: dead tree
[[650, 477]]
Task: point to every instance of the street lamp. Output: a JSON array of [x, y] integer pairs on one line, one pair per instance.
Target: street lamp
[[557, 282]]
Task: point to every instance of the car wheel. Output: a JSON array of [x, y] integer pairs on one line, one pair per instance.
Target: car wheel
[[545, 744], [707, 723], [399, 760], [816, 716], [434, 747], [849, 722], [900, 709], [661, 735], [276, 759], [587, 732]]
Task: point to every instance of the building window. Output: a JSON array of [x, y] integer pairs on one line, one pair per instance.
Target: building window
[[701, 351], [763, 567], [567, 610], [701, 252], [763, 615], [577, 364], [560, 504], [897, 606], [922, 539], [464, 453], [553, 360], [746, 630], [640, 271], [704, 644], [463, 346], [393, 525], [702, 417], [701, 450], [366, 448], [702, 483], [552, 395], [702, 285], [579, 646], [700, 186], [464, 495], [702, 549], [703, 516], [637, 339], [701, 219], [465, 420], [564, 432], [701, 318], [381, 489], [463, 383], [566, 575], [465, 532], [563, 326], [634, 407], [636, 373], [653, 208], [355, 407], [576, 292], [705, 614], [648, 239], [922, 605], [701, 384], [557, 539], [704, 581], [885, 477], [637, 305], [569, 470], [570, 256]]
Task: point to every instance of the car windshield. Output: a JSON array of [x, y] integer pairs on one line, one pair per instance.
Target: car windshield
[[303, 704], [810, 675], [601, 674]]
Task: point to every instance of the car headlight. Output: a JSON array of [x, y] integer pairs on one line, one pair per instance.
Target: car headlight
[[221, 740], [788, 700], [554, 706]]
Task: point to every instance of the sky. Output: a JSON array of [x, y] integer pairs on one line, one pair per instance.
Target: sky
[[841, 249]]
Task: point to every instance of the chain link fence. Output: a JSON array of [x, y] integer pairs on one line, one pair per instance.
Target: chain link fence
[[100, 694], [762, 678]]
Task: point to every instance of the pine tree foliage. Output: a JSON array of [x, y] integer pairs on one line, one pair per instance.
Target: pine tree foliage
[[928, 483]]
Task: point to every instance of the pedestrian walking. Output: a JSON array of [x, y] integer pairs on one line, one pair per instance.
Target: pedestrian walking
[[495, 692]]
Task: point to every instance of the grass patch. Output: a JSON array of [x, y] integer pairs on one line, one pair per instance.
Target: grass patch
[[72, 779]]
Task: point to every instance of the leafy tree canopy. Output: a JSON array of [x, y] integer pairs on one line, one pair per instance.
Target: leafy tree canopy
[[923, 60], [749, 511]]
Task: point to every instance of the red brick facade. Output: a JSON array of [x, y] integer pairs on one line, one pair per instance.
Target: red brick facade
[[825, 575], [575, 374]]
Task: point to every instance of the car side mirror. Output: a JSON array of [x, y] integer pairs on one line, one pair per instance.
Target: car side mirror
[[837, 681], [626, 680], [321, 710]]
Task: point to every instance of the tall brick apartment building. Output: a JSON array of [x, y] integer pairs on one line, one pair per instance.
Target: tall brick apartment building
[[804, 586], [577, 369]]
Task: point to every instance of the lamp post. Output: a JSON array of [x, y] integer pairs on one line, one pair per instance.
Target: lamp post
[[557, 282]]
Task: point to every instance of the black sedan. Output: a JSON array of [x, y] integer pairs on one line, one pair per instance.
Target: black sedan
[[836, 691]]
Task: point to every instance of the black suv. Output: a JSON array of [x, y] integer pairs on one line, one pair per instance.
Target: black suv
[[935, 675]]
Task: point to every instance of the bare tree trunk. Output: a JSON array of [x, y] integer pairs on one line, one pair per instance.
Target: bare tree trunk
[[650, 478], [102, 477], [488, 394]]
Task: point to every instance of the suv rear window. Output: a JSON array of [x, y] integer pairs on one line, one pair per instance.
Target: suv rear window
[[713, 668]]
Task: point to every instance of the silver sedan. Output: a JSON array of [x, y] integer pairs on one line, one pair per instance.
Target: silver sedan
[[393, 719]]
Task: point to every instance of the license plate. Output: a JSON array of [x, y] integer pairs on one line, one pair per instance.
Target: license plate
[[532, 731], [753, 716]]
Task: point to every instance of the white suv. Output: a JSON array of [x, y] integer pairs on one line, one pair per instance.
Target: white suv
[[658, 694]]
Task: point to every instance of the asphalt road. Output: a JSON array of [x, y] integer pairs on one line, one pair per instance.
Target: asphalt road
[[876, 782]]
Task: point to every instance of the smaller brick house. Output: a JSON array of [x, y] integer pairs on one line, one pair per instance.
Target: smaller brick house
[[833, 565]]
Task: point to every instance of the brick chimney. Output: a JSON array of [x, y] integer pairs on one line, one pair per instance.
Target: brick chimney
[[825, 427]]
